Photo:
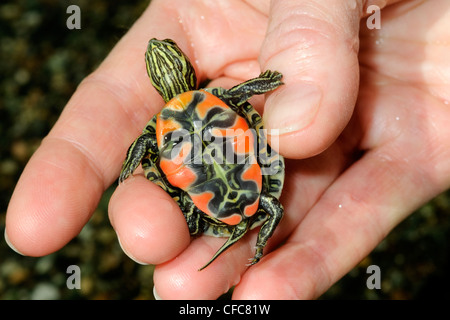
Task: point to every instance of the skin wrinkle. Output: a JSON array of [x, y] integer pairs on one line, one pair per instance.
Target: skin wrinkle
[[286, 39], [121, 93], [232, 21], [320, 17], [178, 280], [365, 4], [77, 146], [57, 164], [99, 173], [350, 198], [367, 61], [194, 29], [407, 6], [319, 256], [407, 77], [321, 271], [398, 134], [312, 10], [262, 7], [236, 70], [385, 161]]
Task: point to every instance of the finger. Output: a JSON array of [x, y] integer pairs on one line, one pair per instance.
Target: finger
[[338, 233], [181, 278], [407, 165], [315, 46], [63, 181], [150, 226], [48, 207]]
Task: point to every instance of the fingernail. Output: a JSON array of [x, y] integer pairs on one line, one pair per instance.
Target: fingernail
[[130, 255], [10, 244], [292, 108], [155, 294]]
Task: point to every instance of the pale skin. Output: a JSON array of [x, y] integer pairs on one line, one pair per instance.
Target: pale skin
[[367, 110]]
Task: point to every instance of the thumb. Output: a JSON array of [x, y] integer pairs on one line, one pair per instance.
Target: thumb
[[314, 44]]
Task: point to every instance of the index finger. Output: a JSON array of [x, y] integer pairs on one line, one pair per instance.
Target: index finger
[[81, 156]]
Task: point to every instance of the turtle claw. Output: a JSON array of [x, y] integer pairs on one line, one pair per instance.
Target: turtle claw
[[128, 168], [124, 174], [272, 75], [256, 258], [252, 261]]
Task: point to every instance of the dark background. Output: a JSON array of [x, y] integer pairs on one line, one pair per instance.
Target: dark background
[[41, 64]]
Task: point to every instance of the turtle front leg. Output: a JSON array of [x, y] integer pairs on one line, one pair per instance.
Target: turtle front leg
[[274, 209], [144, 144], [265, 82]]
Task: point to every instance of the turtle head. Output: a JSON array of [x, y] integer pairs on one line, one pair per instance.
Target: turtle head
[[169, 68]]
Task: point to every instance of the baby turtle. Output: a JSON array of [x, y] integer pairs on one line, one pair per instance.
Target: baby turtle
[[207, 149]]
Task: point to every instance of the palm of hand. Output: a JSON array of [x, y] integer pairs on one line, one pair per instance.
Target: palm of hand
[[379, 162]]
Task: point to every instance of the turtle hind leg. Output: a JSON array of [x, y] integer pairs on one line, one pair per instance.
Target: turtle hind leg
[[274, 209], [238, 232]]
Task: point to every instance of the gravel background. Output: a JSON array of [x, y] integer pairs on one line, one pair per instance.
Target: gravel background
[[41, 64]]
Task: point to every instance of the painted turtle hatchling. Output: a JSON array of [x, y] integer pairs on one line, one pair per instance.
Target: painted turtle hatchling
[[207, 149]]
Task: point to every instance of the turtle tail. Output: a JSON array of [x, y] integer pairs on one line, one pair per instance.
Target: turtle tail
[[238, 232]]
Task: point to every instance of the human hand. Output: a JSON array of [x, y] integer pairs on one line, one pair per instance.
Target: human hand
[[368, 165]]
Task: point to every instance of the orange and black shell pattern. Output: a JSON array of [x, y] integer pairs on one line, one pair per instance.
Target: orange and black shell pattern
[[208, 150]]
